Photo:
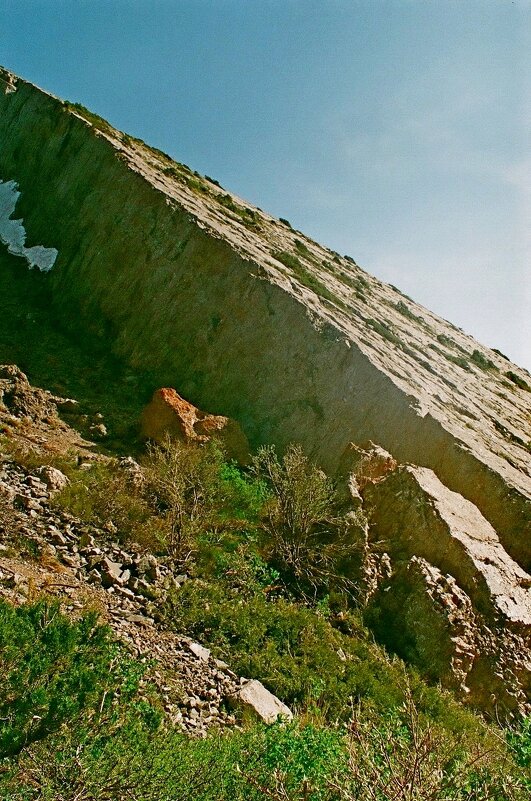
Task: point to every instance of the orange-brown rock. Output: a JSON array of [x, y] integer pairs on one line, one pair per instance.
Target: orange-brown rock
[[169, 414]]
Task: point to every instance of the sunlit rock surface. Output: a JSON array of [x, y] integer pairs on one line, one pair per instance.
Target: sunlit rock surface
[[252, 320]]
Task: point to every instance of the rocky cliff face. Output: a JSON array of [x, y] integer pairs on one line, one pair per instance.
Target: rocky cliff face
[[455, 603], [249, 318]]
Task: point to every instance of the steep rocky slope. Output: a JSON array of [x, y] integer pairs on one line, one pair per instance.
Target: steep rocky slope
[[252, 319], [244, 316]]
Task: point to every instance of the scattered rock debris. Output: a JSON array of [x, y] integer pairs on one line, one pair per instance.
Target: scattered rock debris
[[77, 562]]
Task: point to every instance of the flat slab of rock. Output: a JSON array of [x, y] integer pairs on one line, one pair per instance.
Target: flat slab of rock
[[200, 651], [169, 414], [255, 697], [418, 516]]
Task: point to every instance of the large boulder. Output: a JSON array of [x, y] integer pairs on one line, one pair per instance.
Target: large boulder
[[253, 697], [54, 479], [169, 414]]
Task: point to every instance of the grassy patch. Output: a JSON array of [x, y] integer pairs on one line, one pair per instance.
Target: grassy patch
[[306, 278], [249, 217], [405, 311], [95, 120], [481, 361], [385, 331], [516, 379]]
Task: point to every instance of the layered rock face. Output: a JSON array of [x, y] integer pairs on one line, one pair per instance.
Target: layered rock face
[[253, 320], [454, 602]]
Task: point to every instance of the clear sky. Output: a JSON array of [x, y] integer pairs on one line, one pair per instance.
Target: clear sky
[[396, 131]]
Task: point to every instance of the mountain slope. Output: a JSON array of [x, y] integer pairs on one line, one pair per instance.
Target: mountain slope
[[252, 319]]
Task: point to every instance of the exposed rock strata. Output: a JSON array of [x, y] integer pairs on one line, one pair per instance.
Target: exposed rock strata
[[455, 603], [186, 289]]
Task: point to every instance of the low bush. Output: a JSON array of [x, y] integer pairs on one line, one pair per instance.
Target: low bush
[[74, 726], [52, 670], [481, 361], [305, 537], [103, 495], [515, 378]]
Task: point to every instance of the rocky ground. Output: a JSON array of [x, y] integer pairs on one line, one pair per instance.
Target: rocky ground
[[45, 550], [440, 589]]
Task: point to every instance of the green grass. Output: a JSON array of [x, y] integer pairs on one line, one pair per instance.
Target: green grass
[[515, 378], [306, 278]]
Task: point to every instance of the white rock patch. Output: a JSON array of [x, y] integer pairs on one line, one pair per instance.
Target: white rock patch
[[13, 233]]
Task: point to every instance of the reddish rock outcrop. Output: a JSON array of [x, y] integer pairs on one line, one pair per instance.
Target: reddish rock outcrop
[[169, 414], [367, 464]]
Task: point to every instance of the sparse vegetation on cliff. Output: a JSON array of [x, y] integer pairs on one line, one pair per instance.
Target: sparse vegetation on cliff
[[516, 379], [261, 565]]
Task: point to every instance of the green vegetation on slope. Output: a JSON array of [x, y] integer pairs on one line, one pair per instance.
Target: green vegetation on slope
[[76, 722], [76, 726]]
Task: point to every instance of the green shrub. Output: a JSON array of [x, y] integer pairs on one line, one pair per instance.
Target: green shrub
[[302, 248], [103, 495], [133, 761], [94, 119], [519, 739], [448, 342], [305, 536], [296, 762], [460, 361], [404, 309], [288, 260], [402, 756], [385, 331], [74, 726], [518, 381], [481, 361], [52, 670]]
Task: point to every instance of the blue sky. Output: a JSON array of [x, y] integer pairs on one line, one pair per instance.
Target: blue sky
[[396, 131]]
